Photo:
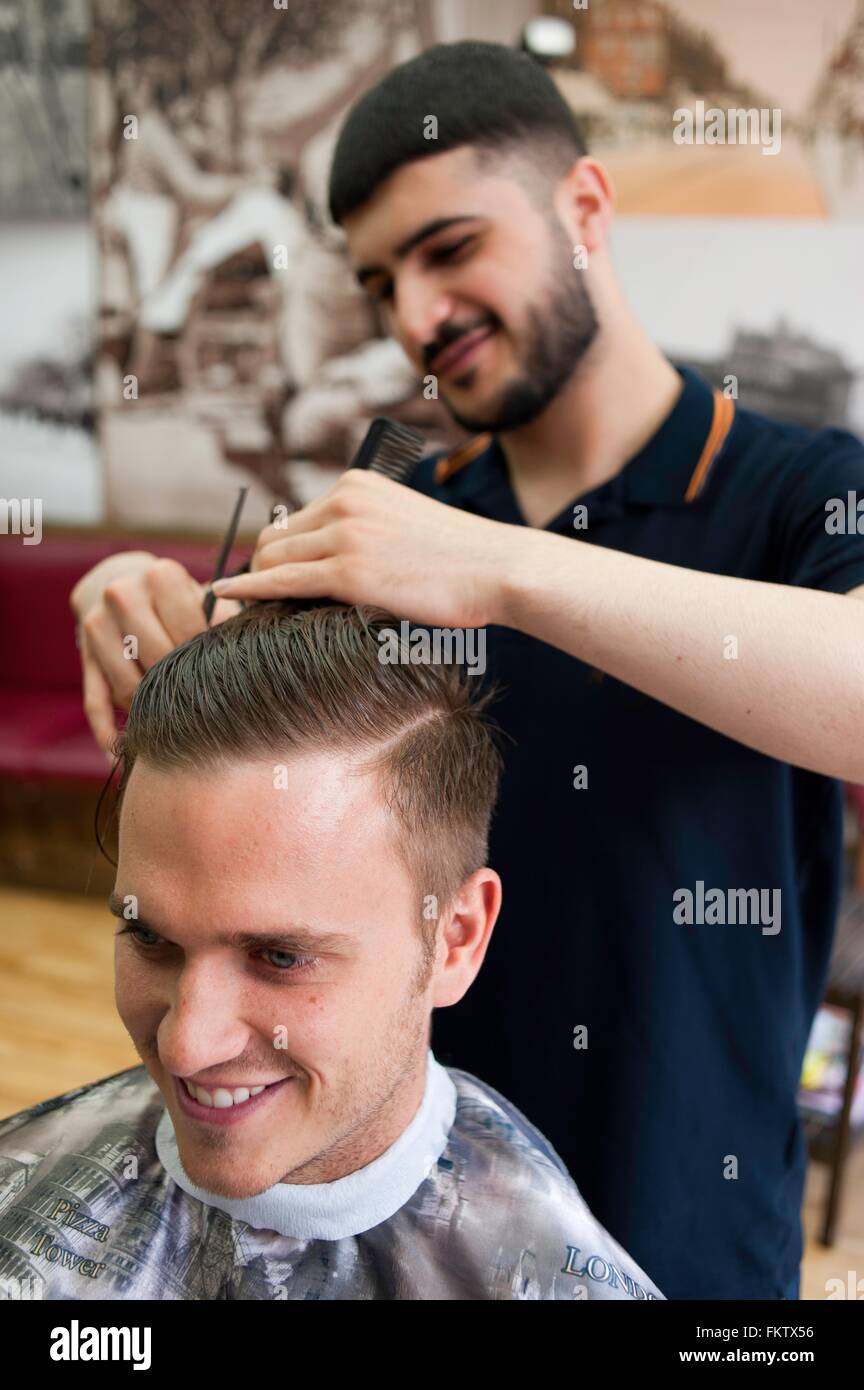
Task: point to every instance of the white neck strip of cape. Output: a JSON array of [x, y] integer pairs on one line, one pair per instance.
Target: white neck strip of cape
[[350, 1205]]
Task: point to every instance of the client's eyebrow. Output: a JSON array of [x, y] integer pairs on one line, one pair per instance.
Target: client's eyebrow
[[429, 229], [299, 937]]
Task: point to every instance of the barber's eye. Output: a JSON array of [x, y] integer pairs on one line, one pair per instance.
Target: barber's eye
[[446, 253], [438, 255]]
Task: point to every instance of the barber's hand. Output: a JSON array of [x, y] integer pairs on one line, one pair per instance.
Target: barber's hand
[[133, 594], [371, 540]]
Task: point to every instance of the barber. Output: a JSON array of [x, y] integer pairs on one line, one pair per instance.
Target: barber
[[678, 635]]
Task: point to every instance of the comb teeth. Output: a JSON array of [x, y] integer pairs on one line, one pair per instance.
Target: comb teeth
[[390, 448]]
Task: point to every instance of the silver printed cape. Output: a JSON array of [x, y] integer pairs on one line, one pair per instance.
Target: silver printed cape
[[87, 1211]]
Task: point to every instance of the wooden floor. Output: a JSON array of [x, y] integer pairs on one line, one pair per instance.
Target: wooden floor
[[59, 1028]]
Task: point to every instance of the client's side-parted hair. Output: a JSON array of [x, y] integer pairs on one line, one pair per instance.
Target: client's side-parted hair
[[282, 677]]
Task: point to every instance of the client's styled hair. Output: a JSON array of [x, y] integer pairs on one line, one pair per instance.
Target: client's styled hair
[[283, 676]]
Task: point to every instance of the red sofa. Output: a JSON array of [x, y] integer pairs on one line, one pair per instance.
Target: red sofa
[[43, 730]]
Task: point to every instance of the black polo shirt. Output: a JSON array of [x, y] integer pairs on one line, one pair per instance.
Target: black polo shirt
[[678, 1119]]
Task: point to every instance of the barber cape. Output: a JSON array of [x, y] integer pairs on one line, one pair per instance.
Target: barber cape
[[470, 1202]]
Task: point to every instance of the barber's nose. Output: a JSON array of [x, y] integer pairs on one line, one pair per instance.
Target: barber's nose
[[421, 312], [202, 1027]]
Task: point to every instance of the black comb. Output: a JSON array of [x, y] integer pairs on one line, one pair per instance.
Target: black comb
[[227, 542], [390, 448]]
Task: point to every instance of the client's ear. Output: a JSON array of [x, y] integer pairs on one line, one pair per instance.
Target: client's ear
[[465, 933]]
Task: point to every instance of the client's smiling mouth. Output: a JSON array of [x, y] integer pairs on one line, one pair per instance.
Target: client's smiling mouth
[[221, 1097], [221, 1103]]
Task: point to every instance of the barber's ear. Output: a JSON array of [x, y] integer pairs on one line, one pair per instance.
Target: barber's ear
[[465, 934], [585, 198]]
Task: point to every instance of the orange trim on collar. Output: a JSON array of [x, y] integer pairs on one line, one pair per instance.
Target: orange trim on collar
[[721, 423], [451, 463], [724, 411]]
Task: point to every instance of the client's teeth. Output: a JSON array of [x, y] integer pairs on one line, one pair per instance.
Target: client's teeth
[[221, 1098]]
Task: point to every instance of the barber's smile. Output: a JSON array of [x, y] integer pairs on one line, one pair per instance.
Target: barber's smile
[[225, 1105], [462, 353]]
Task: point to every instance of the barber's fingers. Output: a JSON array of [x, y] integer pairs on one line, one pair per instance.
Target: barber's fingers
[[139, 619], [312, 579], [355, 491], [311, 545], [98, 704], [114, 656], [159, 608], [132, 625], [178, 602], [305, 522]]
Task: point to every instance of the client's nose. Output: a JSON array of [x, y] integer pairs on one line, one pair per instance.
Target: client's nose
[[202, 1029]]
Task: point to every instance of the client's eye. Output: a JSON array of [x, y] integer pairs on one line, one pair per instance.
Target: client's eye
[[137, 933], [284, 962], [289, 960]]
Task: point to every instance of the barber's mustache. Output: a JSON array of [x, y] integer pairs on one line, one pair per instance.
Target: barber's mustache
[[451, 333]]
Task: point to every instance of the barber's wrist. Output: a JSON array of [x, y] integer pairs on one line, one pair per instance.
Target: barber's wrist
[[522, 579]]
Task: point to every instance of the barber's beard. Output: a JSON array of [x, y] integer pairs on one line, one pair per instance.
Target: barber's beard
[[559, 333]]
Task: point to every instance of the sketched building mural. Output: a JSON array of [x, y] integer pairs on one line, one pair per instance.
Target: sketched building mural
[[786, 375]]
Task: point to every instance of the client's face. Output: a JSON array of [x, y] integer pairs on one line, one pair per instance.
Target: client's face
[[274, 945]]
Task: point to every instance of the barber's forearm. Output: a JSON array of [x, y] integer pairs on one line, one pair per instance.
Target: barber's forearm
[[795, 691]]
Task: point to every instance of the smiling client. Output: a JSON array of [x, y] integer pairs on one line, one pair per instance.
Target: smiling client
[[301, 881]]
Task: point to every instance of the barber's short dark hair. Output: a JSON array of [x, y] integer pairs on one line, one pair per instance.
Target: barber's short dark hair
[[482, 94]]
